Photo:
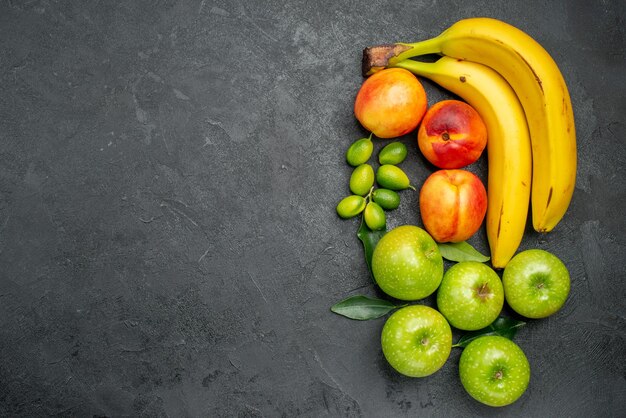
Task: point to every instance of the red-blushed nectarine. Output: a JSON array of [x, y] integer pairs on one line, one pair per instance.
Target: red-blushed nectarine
[[391, 103], [452, 134], [452, 204]]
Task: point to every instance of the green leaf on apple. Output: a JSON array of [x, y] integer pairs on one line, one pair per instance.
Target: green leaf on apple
[[502, 326], [461, 251], [369, 239], [363, 307]]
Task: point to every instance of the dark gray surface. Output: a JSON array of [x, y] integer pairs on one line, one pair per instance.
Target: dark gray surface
[[168, 241]]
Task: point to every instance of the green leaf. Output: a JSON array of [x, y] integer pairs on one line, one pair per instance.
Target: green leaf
[[502, 326], [461, 251], [363, 307], [369, 239]]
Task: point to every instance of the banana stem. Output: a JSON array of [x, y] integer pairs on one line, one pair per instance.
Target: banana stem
[[429, 46], [378, 57], [417, 67]]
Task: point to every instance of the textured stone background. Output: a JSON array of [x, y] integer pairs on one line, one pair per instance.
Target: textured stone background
[[168, 242]]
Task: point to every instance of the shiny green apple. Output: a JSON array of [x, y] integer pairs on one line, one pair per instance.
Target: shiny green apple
[[536, 283], [494, 370], [470, 295], [407, 264], [416, 340]]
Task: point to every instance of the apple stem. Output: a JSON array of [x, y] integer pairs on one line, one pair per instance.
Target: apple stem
[[483, 291]]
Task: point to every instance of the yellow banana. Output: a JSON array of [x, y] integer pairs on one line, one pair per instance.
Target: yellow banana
[[508, 146], [540, 87]]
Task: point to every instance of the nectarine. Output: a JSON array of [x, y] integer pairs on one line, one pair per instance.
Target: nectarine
[[390, 103], [452, 134], [452, 204]]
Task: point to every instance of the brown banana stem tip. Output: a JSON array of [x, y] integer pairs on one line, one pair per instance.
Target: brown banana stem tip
[[376, 58]]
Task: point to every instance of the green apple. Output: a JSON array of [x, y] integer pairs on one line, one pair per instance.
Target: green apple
[[494, 370], [536, 283], [407, 264], [470, 295], [416, 340]]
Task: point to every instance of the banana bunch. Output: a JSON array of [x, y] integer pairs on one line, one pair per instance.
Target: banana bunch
[[518, 90]]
